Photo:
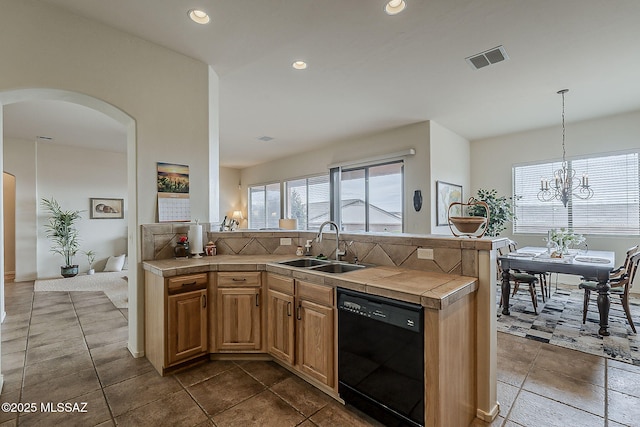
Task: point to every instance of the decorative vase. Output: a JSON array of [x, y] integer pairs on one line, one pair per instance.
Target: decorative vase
[[69, 270], [91, 271]]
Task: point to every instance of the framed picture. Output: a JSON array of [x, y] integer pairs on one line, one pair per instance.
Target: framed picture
[[106, 208], [447, 193]]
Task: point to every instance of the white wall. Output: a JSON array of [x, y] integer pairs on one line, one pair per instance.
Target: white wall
[[19, 160], [72, 176], [440, 155], [315, 162], [161, 96], [450, 162], [493, 159], [230, 193]]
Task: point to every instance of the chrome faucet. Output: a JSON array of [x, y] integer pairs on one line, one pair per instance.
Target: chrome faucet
[[339, 253]]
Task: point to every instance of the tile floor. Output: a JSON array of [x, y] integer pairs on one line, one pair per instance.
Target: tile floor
[[71, 347]]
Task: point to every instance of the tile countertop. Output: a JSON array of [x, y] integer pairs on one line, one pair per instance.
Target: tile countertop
[[430, 289]]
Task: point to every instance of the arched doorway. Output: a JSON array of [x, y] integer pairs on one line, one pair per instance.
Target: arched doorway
[[136, 331]]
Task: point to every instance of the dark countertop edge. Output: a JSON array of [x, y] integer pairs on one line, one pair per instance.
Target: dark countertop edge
[[167, 268]]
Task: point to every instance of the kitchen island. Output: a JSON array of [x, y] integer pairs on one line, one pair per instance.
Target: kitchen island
[[251, 281], [394, 254]]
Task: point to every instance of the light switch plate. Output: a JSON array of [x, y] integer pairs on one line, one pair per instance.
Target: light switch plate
[[285, 241], [425, 253]]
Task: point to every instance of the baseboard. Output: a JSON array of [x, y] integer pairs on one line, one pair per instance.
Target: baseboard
[[488, 416], [135, 354]]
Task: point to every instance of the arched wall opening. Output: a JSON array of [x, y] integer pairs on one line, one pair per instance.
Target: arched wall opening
[[136, 332]]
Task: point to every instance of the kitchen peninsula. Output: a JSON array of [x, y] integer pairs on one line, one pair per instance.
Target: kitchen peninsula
[[448, 283]]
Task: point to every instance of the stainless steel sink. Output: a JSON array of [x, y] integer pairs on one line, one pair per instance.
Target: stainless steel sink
[[325, 266], [304, 262], [338, 268]]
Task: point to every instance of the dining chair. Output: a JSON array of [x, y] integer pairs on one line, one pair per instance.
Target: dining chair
[[542, 275], [518, 277], [620, 270], [619, 286]]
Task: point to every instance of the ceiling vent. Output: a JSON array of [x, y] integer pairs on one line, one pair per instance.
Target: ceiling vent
[[491, 56], [44, 138], [265, 138]]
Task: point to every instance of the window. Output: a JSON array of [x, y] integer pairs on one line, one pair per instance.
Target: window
[[264, 206], [371, 198], [614, 208], [307, 200]]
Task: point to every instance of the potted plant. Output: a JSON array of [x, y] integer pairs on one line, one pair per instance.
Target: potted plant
[[62, 231], [91, 257], [500, 207]]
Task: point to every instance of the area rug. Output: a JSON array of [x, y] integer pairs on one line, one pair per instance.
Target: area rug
[[559, 322], [113, 284]]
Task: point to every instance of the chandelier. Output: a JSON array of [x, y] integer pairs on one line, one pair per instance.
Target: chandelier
[[564, 184]]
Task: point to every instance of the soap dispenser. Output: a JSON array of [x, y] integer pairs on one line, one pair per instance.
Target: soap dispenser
[[308, 248]]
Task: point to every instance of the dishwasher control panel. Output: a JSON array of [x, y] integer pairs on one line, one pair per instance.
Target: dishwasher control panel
[[398, 313]]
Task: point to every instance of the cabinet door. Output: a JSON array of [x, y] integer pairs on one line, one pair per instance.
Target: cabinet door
[[315, 338], [187, 326], [238, 319], [280, 333]]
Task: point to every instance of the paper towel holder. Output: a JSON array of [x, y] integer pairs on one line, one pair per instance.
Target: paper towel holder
[[195, 237]]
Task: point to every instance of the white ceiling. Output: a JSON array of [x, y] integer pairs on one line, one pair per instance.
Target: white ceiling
[[369, 71]]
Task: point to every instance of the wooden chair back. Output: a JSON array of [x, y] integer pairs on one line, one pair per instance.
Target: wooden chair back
[[627, 279]]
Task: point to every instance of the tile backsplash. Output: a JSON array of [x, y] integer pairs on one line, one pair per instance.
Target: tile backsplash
[[450, 254]]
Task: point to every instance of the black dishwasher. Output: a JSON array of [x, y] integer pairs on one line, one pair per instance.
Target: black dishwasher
[[381, 357]]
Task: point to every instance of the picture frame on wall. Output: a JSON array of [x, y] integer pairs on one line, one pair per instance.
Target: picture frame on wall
[[103, 208], [447, 193]]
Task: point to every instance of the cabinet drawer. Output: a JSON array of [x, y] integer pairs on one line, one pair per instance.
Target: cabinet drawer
[[316, 293], [280, 284], [241, 278], [187, 283]]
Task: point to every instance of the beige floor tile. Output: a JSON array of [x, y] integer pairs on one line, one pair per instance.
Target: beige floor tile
[[301, 395], [623, 408], [506, 396], [100, 316], [55, 335], [177, 409], [225, 390], [122, 369], [581, 366], [9, 397], [57, 367], [13, 361], [566, 389], [264, 409], [104, 326], [12, 379], [91, 309], [14, 345], [62, 388], [203, 371], [624, 381], [139, 391], [497, 422], [57, 349], [512, 372], [335, 414], [533, 410], [268, 373], [109, 337], [109, 353], [95, 412]]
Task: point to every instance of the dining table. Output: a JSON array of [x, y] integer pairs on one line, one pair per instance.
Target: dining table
[[592, 264]]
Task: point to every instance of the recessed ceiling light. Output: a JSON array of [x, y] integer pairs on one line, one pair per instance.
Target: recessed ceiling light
[[299, 65], [199, 16], [394, 7]]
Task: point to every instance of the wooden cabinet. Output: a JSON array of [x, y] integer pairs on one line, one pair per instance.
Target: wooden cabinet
[[310, 330], [280, 318], [187, 325], [238, 311], [175, 319]]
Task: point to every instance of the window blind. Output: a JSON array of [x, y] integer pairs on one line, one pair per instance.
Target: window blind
[[614, 208]]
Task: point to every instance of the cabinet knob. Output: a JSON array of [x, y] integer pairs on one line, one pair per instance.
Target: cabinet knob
[[257, 300], [204, 301]]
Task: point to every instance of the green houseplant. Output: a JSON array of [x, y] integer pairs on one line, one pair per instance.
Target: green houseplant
[[500, 207], [62, 231]]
